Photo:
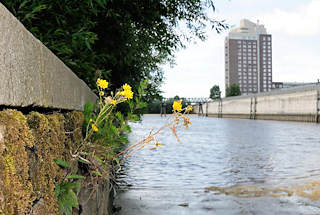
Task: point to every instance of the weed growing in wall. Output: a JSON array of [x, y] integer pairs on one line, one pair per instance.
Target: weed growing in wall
[[103, 129]]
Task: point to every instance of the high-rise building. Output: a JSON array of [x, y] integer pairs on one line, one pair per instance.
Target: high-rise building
[[248, 58]]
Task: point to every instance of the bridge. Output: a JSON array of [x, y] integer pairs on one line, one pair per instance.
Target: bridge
[[199, 101], [195, 100]]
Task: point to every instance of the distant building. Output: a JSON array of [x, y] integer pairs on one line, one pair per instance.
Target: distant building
[[248, 58]]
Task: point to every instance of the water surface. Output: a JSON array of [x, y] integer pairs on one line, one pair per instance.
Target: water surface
[[252, 167]]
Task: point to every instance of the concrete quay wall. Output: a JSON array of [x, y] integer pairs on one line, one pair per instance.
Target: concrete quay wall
[[31, 75], [294, 104]]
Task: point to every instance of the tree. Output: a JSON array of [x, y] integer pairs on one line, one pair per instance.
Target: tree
[[215, 92], [122, 40], [233, 90]]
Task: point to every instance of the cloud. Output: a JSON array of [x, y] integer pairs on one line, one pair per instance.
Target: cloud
[[304, 21]]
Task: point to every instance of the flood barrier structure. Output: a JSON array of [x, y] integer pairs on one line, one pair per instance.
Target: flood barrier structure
[[290, 104]]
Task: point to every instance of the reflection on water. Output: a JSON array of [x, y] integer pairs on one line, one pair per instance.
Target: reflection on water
[[221, 165], [310, 190]]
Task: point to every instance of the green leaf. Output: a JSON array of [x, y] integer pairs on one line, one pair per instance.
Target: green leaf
[[120, 116], [142, 104], [87, 44], [74, 177], [127, 128], [67, 199], [74, 199], [133, 117], [61, 163], [101, 3]]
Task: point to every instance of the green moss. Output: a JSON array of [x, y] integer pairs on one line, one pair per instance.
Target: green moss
[[16, 186], [27, 151]]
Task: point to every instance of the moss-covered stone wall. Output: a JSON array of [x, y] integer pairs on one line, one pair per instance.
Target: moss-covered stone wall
[[28, 145]]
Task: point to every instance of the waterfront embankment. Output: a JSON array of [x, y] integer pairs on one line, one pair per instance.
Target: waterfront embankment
[[291, 104]]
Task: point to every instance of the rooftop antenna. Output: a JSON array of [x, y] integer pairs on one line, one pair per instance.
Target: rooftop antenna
[[257, 21]]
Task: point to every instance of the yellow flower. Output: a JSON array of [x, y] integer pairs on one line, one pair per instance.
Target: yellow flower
[[113, 102], [90, 120], [127, 93], [177, 106], [189, 108], [126, 87], [158, 144], [102, 83], [101, 93], [94, 127]]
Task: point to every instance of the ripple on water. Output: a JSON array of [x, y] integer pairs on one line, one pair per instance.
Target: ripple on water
[[248, 167]]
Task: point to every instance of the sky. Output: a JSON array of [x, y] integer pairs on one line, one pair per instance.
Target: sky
[[295, 29]]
